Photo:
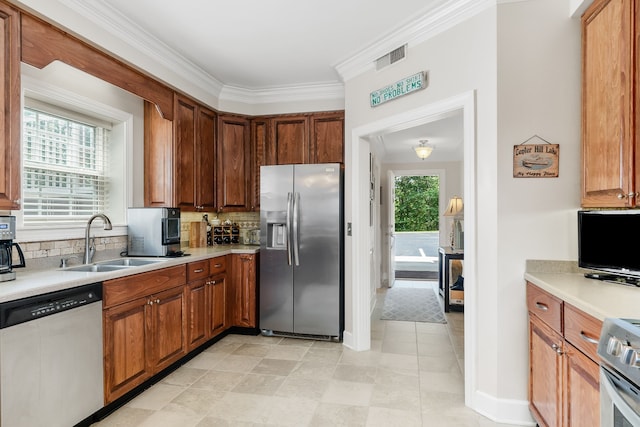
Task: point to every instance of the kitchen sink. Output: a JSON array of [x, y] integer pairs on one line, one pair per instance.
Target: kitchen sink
[[113, 265], [95, 268], [129, 262]]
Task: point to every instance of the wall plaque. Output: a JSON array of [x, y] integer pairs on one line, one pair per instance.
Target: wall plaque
[[536, 160], [400, 88]]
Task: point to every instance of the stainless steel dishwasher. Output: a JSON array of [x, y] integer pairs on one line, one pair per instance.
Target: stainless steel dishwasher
[[51, 370]]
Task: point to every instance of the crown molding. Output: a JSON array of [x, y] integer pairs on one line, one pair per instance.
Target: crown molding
[[293, 93], [127, 31], [120, 26], [430, 24]]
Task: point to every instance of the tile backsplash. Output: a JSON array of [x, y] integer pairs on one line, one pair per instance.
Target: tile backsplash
[[47, 254]]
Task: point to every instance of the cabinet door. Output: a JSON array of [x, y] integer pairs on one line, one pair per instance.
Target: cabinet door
[[244, 275], [197, 313], [158, 158], [218, 295], [10, 112], [607, 105], [259, 132], [205, 159], [167, 327], [582, 389], [126, 354], [327, 138], [289, 142], [233, 163], [545, 373], [184, 135]]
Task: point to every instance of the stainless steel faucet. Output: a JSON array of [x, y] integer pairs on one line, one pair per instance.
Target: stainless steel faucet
[[89, 246]]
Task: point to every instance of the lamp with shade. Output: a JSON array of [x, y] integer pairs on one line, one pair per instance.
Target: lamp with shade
[[455, 209], [423, 150]]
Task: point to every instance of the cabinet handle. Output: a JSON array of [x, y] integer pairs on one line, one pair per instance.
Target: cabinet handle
[[198, 270], [542, 306], [587, 338], [557, 349], [218, 265], [213, 282], [621, 196]]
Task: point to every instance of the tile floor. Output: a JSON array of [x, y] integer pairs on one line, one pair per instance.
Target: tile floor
[[412, 376]]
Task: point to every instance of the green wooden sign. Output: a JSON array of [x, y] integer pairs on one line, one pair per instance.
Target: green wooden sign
[[400, 88]]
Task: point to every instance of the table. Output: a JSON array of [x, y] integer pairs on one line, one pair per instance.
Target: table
[[445, 255]]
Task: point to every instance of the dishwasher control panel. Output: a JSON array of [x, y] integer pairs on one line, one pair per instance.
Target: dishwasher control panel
[[36, 307]]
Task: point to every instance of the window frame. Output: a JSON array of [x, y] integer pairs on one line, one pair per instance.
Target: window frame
[[123, 123]]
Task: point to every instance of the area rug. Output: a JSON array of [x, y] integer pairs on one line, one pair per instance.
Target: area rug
[[424, 275], [413, 305]]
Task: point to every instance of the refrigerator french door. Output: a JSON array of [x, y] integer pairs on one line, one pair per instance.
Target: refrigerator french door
[[301, 253]]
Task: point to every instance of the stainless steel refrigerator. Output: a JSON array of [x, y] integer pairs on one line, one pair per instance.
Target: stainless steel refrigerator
[[301, 251]]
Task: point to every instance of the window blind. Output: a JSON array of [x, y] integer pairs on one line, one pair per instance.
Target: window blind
[[65, 164]]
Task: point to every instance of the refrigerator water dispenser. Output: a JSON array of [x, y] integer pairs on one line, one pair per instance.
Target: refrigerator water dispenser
[[276, 236]]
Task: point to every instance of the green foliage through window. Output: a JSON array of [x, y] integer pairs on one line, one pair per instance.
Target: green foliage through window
[[416, 203]]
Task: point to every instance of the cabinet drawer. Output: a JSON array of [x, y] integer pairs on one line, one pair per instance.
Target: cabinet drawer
[[218, 265], [545, 306], [197, 270], [140, 285], [582, 330]]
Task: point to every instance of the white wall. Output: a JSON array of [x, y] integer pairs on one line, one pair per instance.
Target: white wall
[[461, 60], [538, 94], [522, 59]]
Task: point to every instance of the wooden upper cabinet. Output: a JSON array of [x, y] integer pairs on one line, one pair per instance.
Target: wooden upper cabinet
[[233, 163], [205, 159], [158, 158], [10, 108], [180, 164], [185, 156], [289, 142], [259, 134], [609, 138], [327, 138]]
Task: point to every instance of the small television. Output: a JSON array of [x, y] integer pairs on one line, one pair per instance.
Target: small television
[[609, 241]]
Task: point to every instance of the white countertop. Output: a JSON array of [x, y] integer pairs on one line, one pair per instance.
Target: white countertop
[[40, 282], [595, 297]]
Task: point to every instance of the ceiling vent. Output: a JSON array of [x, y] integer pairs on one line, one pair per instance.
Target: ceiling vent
[[391, 57]]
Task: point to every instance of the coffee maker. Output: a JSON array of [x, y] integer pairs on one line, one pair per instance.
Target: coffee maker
[[7, 234]]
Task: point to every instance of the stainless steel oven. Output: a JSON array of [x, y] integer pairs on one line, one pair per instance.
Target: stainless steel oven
[[619, 351]]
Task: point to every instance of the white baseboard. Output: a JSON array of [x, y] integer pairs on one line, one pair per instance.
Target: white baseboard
[[347, 339], [505, 411]]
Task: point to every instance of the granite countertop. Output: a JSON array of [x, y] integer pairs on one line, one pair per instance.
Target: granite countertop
[[44, 281], [598, 298]]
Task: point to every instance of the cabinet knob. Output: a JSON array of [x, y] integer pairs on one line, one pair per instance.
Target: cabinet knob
[[630, 195], [557, 349], [157, 301], [150, 302]]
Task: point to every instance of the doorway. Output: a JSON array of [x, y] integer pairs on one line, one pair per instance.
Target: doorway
[[357, 262], [415, 212]]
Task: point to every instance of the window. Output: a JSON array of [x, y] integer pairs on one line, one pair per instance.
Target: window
[[65, 165]]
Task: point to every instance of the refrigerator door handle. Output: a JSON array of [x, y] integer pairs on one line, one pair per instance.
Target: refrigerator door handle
[[296, 220], [288, 225]]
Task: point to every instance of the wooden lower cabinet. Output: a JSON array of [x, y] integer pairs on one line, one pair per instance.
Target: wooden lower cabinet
[[244, 290], [564, 387], [582, 393], [545, 380], [207, 308], [153, 319], [145, 333]]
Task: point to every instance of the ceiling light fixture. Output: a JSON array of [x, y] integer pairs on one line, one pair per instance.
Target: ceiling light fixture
[[423, 150]]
